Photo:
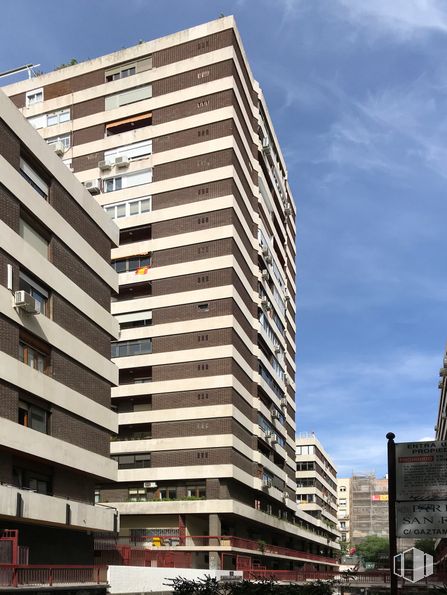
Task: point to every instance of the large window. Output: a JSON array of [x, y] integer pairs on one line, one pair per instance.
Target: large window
[[137, 495], [34, 96], [135, 461], [51, 119], [30, 480], [129, 348], [129, 69], [33, 238], [167, 493], [33, 178], [65, 139], [132, 152], [127, 124], [34, 416], [32, 357], [136, 263], [129, 208], [127, 181], [39, 293], [134, 319], [196, 491], [128, 96]]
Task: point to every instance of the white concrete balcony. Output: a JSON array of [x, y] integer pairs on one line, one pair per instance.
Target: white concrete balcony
[[46, 509]]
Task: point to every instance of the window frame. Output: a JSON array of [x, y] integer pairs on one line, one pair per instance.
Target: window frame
[[38, 292], [29, 406], [33, 93]]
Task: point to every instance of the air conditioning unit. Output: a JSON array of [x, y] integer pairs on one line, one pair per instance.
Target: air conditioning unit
[[149, 484], [269, 258], [24, 301], [277, 347], [105, 166], [59, 147], [287, 208], [284, 402], [286, 379], [267, 483], [275, 414], [122, 161], [265, 251], [268, 305], [265, 274], [285, 495], [264, 301], [286, 294], [266, 146], [92, 186], [274, 439], [268, 434]]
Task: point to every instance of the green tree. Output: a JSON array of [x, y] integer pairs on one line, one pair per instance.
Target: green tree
[[425, 545], [373, 548]]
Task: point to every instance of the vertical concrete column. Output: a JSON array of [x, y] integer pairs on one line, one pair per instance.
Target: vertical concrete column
[[214, 530]]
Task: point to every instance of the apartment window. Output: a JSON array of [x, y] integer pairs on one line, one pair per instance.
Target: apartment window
[[33, 178], [129, 96], [196, 491], [129, 348], [127, 124], [30, 480], [39, 293], [135, 461], [343, 536], [29, 355], [121, 74], [34, 416], [51, 119], [167, 493], [342, 488], [343, 525], [342, 502], [34, 96], [97, 496], [129, 69], [131, 235], [203, 307], [65, 139], [33, 238], [129, 208], [137, 495], [133, 291], [129, 265], [134, 320], [132, 152], [127, 181]]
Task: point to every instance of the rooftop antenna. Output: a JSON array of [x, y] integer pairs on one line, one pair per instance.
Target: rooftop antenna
[[29, 67]]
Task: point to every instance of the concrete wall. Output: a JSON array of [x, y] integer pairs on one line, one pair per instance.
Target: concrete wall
[[138, 579]]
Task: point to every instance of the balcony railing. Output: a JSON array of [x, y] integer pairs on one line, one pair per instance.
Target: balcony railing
[[207, 541], [46, 576]]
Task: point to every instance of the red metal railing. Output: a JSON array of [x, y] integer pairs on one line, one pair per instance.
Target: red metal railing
[[16, 575], [174, 541]]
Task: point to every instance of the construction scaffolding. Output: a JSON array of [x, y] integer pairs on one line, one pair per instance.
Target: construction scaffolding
[[369, 506]]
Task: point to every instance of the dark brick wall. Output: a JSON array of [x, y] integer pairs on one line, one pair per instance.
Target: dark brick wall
[[9, 209], [80, 432], [192, 107], [190, 49], [73, 375], [192, 165], [191, 194], [88, 108], [9, 333], [69, 209], [88, 135], [89, 161], [191, 78], [5, 466], [191, 136], [79, 325], [191, 282], [76, 270], [212, 456], [77, 83], [9, 145], [9, 401]]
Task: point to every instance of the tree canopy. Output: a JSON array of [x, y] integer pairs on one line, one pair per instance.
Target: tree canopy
[[373, 548]]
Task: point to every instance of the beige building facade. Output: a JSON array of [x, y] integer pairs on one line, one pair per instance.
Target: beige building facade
[[343, 508], [174, 139]]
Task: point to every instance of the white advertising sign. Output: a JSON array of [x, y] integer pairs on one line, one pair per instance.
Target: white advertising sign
[[421, 520], [421, 471]]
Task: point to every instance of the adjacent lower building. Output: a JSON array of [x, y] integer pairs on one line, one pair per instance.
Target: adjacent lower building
[[343, 508], [316, 481], [174, 138], [55, 368]]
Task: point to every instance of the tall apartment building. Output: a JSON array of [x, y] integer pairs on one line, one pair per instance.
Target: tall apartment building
[[316, 481], [343, 508], [174, 138], [369, 506], [441, 423], [55, 368]]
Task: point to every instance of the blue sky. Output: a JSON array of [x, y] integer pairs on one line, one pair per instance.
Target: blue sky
[[358, 95]]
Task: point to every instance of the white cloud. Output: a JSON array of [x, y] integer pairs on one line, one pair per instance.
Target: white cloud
[[403, 18]]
